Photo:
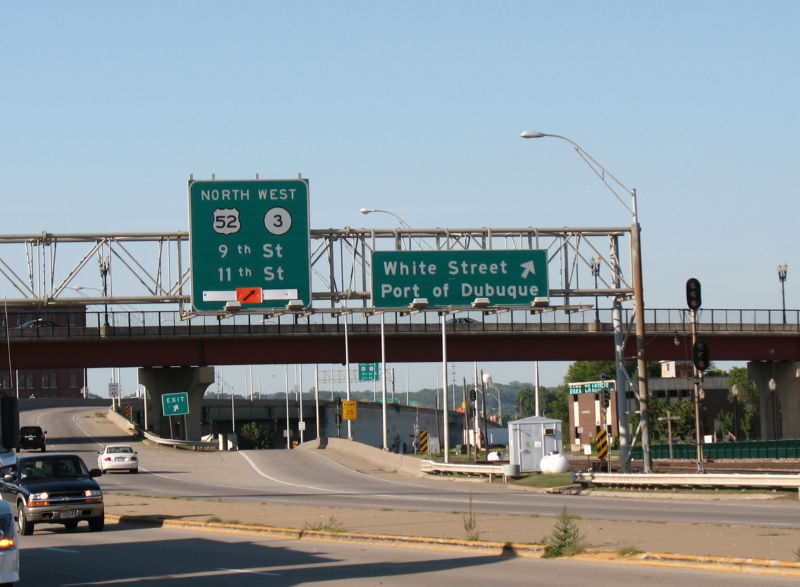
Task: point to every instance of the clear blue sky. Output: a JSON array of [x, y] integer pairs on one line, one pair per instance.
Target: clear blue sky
[[416, 107]]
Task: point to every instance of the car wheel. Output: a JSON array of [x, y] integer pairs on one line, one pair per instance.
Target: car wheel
[[96, 524], [44, 448], [25, 526], [17, 449], [71, 525], [134, 470]]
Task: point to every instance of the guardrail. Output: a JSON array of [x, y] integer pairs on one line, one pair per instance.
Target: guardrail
[[185, 444], [504, 471], [735, 480]]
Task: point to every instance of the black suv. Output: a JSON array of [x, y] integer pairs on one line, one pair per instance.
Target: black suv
[[55, 489], [32, 437]]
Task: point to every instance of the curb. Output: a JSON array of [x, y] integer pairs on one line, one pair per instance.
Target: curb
[[716, 563]]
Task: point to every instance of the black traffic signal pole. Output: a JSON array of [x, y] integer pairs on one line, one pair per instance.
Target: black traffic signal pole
[[693, 300]]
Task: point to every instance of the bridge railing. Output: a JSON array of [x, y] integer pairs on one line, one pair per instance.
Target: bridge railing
[[169, 323]]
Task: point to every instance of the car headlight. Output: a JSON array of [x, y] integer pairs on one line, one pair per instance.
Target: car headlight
[[7, 540], [93, 493], [44, 496]]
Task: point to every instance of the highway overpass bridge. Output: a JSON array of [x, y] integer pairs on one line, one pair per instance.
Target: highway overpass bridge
[[161, 338]]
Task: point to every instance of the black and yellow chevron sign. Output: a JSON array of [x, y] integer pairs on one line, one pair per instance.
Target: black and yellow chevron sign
[[423, 441], [602, 444]]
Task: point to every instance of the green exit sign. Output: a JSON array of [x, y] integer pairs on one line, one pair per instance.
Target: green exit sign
[[175, 404], [457, 278], [249, 243]]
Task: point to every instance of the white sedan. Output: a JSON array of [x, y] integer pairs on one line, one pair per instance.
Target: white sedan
[[118, 457]]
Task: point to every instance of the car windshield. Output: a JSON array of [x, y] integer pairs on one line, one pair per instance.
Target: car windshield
[[30, 430], [51, 467]]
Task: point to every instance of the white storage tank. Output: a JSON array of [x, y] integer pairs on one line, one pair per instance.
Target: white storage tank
[[531, 439]]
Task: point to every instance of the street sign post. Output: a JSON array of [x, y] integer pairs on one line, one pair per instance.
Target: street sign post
[[249, 243], [458, 278], [175, 404]]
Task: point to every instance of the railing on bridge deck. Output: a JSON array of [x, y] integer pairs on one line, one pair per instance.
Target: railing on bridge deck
[[163, 323]]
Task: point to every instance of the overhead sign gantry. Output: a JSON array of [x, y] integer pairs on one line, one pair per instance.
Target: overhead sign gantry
[[249, 243]]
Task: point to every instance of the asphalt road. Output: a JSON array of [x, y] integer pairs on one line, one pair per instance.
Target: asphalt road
[[125, 555], [310, 478]]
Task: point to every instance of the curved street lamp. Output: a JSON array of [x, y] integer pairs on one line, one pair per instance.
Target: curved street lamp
[[609, 180], [402, 222]]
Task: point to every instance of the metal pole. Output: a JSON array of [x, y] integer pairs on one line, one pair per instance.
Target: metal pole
[[698, 421], [641, 364], [621, 376], [537, 411], [445, 411], [384, 418], [316, 398], [286, 378], [347, 375], [302, 424]]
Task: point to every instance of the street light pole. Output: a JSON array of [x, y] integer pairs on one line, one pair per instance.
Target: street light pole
[[782, 278], [638, 294]]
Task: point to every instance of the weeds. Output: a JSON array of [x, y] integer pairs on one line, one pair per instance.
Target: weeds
[[329, 525], [566, 538], [471, 523], [628, 551]]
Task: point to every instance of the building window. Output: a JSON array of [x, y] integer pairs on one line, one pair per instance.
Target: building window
[[5, 381], [49, 380], [73, 380], [26, 380]]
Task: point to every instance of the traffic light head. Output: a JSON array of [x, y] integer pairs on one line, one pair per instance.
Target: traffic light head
[[700, 355], [693, 299], [606, 398]]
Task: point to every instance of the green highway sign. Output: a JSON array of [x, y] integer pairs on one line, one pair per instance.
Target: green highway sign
[[175, 404], [249, 243], [510, 277], [591, 387], [369, 372]]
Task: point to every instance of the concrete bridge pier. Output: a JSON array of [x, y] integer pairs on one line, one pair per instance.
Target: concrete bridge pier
[[160, 380], [778, 409]]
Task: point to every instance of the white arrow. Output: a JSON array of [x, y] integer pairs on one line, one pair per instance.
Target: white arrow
[[175, 408], [529, 268]]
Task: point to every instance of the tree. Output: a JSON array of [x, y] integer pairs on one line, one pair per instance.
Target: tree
[[745, 400], [553, 403]]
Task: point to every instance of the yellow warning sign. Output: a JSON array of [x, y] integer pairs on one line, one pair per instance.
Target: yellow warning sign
[[602, 444], [349, 410]]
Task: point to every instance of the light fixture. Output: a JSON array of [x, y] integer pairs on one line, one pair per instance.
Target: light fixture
[[540, 302], [418, 303], [295, 305], [233, 306], [531, 134], [480, 302]]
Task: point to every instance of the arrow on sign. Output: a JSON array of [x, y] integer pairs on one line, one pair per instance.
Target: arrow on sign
[[529, 268], [175, 408]]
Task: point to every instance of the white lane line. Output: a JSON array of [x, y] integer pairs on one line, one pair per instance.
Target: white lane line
[[248, 572], [62, 549], [274, 480]]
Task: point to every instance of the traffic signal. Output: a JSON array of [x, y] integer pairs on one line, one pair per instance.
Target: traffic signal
[[606, 398], [693, 299], [700, 355]]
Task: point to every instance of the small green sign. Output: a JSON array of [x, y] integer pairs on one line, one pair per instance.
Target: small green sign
[[175, 404], [369, 372], [591, 387], [249, 243], [457, 278]]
